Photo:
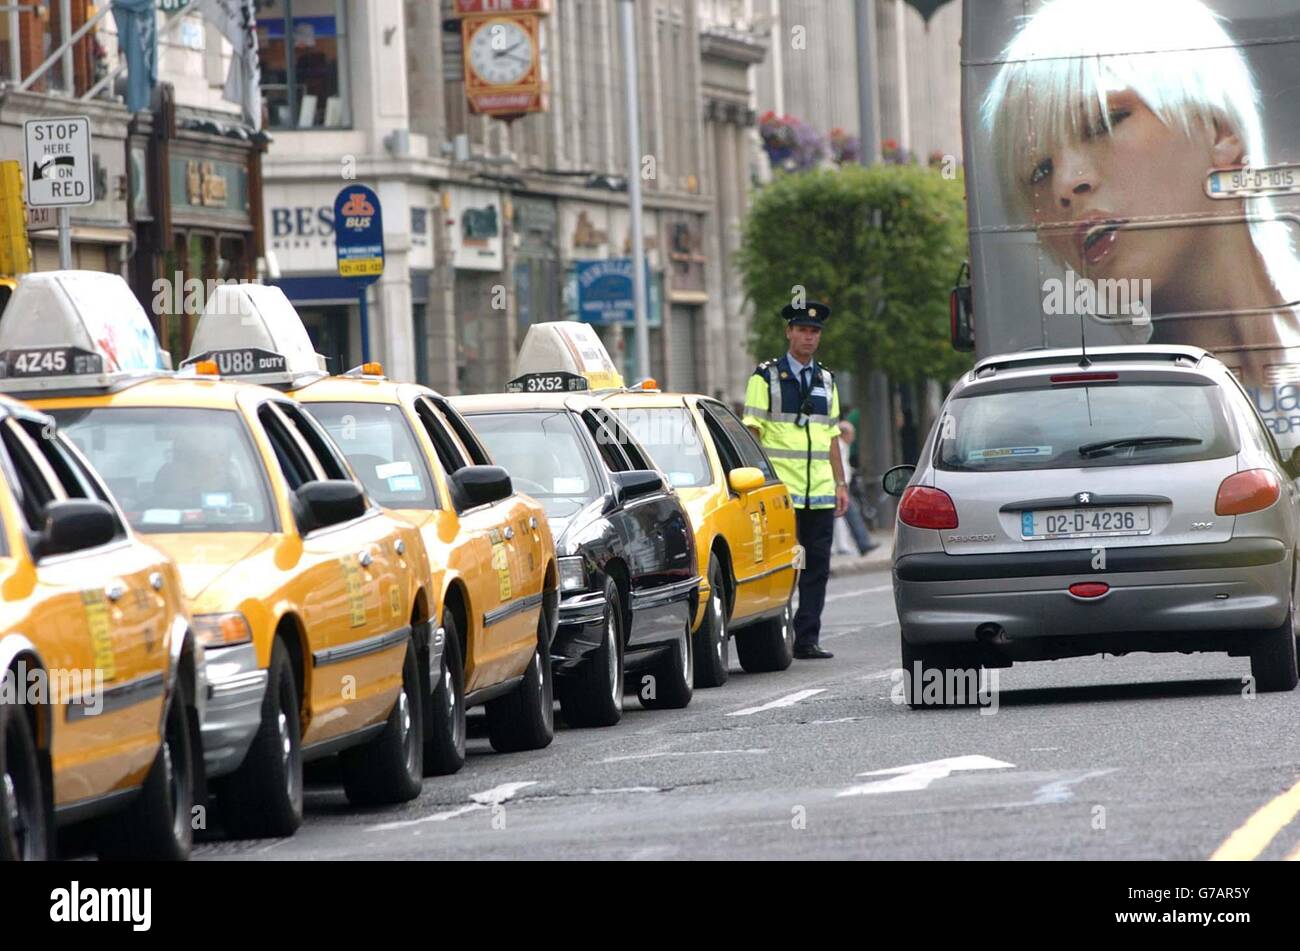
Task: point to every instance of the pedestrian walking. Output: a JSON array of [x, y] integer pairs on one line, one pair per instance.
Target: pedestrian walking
[[792, 407]]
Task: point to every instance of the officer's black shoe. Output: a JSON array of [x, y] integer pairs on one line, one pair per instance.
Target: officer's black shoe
[[813, 652]]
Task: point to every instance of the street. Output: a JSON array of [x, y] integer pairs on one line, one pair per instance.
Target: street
[[1141, 757]]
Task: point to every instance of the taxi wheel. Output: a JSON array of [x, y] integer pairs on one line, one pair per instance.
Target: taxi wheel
[[444, 742], [263, 798], [674, 674], [524, 719], [157, 823], [929, 666], [388, 769], [24, 833], [712, 647], [1273, 657], [767, 646], [593, 695]]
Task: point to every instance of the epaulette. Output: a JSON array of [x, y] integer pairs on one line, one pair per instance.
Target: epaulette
[[761, 369]]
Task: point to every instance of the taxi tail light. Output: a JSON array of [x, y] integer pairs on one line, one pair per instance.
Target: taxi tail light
[[924, 507], [1100, 377], [222, 630], [1247, 491]]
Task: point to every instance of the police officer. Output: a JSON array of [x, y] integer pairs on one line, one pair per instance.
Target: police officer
[[793, 408]]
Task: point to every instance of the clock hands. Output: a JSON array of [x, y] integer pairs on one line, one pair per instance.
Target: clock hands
[[497, 54]]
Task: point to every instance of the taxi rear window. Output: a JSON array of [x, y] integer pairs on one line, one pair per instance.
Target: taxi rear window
[[175, 469], [382, 451], [1084, 426]]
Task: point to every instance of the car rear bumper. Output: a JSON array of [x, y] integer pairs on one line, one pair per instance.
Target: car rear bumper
[[234, 711], [1160, 598]]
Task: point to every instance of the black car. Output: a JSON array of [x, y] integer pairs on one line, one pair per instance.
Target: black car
[[629, 584]]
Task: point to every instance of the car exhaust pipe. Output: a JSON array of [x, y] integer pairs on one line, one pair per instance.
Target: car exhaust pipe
[[991, 635]]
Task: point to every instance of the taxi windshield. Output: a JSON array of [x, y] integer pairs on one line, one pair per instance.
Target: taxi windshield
[[670, 437], [175, 469], [543, 454], [1066, 427], [382, 451]]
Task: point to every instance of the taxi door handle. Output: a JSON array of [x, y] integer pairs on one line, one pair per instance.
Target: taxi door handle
[[366, 559], [762, 507], [156, 580], [509, 532], [115, 591], [532, 522]]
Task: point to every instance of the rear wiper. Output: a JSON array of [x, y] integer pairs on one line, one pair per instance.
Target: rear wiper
[[1137, 442]]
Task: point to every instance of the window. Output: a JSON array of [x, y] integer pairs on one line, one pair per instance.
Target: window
[[741, 439], [304, 66], [450, 452], [382, 450], [171, 469], [36, 485], [1109, 424], [296, 463], [606, 443], [325, 454], [669, 435], [544, 455], [478, 454]]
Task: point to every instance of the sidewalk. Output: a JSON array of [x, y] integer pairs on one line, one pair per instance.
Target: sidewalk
[[877, 560]]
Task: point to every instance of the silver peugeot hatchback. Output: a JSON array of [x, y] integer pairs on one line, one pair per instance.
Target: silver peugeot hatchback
[[1129, 500]]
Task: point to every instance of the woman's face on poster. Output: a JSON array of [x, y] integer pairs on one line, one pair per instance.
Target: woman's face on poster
[[1085, 192]]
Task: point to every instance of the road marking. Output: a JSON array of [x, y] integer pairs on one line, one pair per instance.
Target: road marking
[[480, 800], [789, 701], [1254, 835], [920, 775], [632, 756], [859, 592], [1060, 791], [885, 623], [881, 674]]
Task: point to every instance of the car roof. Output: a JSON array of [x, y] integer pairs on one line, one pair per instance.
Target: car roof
[[1097, 356], [359, 389], [520, 402], [182, 392]]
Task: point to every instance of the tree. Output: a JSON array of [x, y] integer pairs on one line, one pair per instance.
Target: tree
[[880, 245]]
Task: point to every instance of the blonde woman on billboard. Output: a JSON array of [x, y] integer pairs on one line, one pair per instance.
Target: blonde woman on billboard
[[1108, 155]]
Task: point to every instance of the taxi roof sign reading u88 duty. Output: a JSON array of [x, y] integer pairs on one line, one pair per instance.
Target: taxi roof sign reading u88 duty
[[59, 167]]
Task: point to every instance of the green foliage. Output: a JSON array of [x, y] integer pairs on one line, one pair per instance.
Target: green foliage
[[880, 245]]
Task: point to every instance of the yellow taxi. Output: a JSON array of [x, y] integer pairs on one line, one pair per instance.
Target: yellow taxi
[[102, 678], [493, 586], [309, 599], [744, 526], [742, 514]]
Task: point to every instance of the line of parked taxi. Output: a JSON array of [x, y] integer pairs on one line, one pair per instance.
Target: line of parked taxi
[[214, 575]]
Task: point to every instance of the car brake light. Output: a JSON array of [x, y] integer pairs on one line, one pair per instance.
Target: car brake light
[[923, 507], [1089, 589], [1083, 377], [1247, 491]]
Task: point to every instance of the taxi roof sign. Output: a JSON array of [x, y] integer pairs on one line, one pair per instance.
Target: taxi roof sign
[[567, 346], [252, 332], [65, 330]]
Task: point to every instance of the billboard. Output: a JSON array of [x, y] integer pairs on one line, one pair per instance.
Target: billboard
[[1133, 174]]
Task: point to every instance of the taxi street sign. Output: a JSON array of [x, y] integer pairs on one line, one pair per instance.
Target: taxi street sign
[[58, 166], [359, 233]]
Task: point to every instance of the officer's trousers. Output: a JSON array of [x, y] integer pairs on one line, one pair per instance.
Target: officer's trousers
[[815, 529]]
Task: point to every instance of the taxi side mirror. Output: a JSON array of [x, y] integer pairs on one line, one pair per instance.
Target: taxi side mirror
[[325, 502], [75, 525], [472, 486], [635, 484], [896, 479], [746, 479]]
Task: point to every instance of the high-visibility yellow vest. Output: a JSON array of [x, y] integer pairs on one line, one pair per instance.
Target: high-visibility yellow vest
[[796, 435]]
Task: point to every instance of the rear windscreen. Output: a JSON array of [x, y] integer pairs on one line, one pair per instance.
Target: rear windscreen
[[1063, 427]]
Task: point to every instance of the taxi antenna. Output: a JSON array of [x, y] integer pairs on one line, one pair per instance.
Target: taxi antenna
[[1084, 362]]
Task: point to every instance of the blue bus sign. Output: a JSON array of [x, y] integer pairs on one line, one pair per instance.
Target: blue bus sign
[[359, 233]]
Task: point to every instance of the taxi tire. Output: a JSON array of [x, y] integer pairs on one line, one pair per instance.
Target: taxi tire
[[673, 685], [389, 769], [156, 825], [444, 725], [938, 657], [768, 646], [255, 799], [712, 644], [587, 697], [1273, 657], [18, 761], [524, 719]]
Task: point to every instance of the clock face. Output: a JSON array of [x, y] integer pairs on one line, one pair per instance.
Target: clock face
[[501, 53]]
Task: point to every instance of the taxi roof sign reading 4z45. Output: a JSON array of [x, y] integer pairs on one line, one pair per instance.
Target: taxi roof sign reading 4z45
[[49, 361]]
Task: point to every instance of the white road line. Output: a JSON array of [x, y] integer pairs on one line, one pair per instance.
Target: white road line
[[481, 800], [859, 592], [881, 674], [632, 756], [789, 701], [919, 776]]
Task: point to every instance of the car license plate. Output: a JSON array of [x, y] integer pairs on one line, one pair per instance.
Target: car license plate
[[1085, 523]]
